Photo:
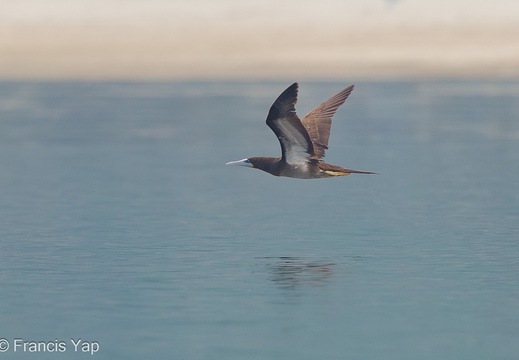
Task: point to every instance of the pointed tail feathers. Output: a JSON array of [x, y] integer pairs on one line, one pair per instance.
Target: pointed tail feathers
[[335, 170]]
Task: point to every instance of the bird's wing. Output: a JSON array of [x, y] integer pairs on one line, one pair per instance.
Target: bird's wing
[[296, 146], [319, 121]]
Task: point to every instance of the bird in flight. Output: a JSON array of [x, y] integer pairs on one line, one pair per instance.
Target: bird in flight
[[303, 142]]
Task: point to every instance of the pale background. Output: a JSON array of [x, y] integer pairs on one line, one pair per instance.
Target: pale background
[[257, 39]]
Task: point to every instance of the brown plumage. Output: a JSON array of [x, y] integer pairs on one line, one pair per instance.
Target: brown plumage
[[303, 142]]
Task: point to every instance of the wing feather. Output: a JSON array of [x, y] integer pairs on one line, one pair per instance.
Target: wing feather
[[296, 145], [319, 121]]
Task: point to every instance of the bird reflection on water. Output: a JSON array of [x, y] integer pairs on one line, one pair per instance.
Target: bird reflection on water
[[293, 272]]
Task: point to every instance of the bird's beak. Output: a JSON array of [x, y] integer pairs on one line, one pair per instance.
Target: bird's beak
[[242, 162]]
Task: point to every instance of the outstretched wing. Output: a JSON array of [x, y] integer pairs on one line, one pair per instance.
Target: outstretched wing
[[319, 121], [296, 145]]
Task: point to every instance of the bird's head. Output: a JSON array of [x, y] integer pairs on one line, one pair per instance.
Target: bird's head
[[267, 164]]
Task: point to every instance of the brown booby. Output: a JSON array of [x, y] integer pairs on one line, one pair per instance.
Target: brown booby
[[303, 142]]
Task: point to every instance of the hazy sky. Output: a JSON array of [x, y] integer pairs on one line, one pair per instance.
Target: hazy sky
[[257, 38]]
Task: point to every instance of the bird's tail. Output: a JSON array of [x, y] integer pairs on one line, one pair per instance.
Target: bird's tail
[[351, 171], [335, 170]]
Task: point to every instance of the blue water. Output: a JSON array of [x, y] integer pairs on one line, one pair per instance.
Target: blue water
[[120, 224]]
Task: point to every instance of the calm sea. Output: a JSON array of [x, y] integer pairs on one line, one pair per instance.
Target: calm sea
[[122, 231]]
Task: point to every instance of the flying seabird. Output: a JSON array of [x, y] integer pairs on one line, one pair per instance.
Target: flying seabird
[[303, 142]]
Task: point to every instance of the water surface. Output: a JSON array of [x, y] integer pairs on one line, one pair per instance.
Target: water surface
[[120, 224]]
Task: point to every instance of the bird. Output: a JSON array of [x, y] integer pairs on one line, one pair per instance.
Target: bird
[[303, 141]]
